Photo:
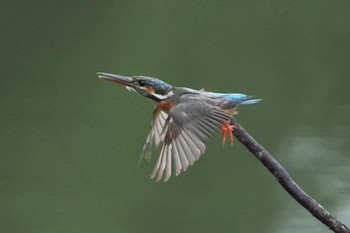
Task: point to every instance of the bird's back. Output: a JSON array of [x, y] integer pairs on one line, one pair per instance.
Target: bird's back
[[223, 100]]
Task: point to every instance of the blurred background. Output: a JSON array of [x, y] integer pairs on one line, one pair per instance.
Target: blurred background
[[70, 142]]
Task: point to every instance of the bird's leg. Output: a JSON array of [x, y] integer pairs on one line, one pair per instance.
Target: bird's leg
[[224, 127], [223, 131]]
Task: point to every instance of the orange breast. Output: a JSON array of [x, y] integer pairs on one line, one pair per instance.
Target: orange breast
[[165, 105]]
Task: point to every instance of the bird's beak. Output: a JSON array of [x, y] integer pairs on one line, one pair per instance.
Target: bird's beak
[[124, 80]]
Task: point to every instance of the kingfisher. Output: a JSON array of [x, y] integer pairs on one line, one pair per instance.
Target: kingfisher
[[183, 120]]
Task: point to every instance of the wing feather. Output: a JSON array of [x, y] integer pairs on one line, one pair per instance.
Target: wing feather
[[183, 159], [156, 134], [177, 160], [186, 128]]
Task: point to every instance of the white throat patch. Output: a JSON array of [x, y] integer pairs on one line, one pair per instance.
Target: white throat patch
[[130, 88], [163, 97]]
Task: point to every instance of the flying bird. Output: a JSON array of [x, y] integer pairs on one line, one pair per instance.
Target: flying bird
[[182, 120]]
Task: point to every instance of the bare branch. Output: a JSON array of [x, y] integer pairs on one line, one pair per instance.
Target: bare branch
[[287, 182]]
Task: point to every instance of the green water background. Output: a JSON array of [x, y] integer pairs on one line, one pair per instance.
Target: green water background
[[70, 142]]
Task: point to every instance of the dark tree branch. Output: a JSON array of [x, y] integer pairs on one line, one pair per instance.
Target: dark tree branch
[[287, 182]]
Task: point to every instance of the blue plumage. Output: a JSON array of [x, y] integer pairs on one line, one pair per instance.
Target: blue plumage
[[235, 97]]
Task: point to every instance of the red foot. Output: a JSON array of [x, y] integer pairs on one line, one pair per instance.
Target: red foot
[[227, 127]]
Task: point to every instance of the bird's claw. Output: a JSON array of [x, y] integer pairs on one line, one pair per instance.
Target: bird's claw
[[224, 128]]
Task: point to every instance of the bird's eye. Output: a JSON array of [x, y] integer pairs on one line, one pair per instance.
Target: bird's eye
[[141, 83]]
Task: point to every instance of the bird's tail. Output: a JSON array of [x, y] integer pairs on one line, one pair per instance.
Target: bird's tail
[[251, 101], [242, 98]]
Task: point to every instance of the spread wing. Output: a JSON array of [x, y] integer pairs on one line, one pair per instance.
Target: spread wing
[[185, 129], [156, 134]]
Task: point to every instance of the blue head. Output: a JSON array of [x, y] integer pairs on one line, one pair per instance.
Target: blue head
[[152, 88]]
